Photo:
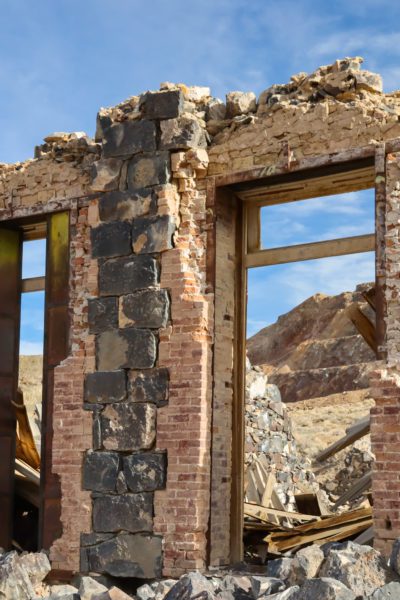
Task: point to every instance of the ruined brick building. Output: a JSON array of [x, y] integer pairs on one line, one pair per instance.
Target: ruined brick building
[[150, 230]]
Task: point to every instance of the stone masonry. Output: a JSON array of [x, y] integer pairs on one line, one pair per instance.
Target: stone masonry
[[143, 404]]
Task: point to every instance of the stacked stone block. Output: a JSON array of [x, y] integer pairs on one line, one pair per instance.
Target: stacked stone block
[[146, 187], [125, 466]]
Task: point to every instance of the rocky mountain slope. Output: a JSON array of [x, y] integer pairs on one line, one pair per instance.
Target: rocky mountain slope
[[314, 350]]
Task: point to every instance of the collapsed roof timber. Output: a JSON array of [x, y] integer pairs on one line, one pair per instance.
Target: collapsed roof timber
[[148, 244]]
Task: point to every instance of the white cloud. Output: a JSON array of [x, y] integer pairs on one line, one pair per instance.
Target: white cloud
[[275, 290], [358, 228], [352, 204], [30, 348], [328, 276]]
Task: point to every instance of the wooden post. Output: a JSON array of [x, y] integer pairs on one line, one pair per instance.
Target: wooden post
[[10, 303], [56, 345]]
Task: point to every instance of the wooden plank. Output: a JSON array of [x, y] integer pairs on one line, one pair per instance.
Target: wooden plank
[[238, 432], [253, 228], [346, 532], [33, 284], [380, 255], [321, 537], [10, 300], [331, 521], [353, 433], [359, 487], [363, 325], [339, 162], [27, 471], [370, 297], [252, 493], [365, 537], [308, 188], [300, 252], [260, 512], [56, 347], [267, 493]]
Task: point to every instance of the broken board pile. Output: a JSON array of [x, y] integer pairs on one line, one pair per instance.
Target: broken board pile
[[269, 528]]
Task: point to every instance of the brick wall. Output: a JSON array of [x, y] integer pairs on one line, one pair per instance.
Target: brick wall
[[72, 425], [385, 416], [183, 427], [143, 404]]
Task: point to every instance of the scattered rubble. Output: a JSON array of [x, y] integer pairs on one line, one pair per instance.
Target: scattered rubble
[[269, 440], [341, 571]]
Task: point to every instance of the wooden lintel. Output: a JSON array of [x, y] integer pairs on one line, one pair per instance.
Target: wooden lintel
[[33, 284], [339, 163], [312, 187], [256, 173], [300, 252]]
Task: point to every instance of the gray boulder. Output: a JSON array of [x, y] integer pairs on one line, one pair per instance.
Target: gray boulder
[[236, 587], [190, 586], [324, 589], [280, 568], [19, 575], [306, 564], [361, 568], [390, 591], [262, 586], [114, 593], [289, 594], [145, 592], [89, 588], [240, 103], [163, 587], [215, 110], [395, 557], [64, 592]]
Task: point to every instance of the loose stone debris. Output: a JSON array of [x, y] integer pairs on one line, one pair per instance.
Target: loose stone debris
[[340, 571]]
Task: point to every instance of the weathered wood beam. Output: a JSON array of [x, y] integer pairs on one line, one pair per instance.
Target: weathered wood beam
[[309, 188], [363, 325], [300, 252], [353, 433], [33, 284], [253, 228]]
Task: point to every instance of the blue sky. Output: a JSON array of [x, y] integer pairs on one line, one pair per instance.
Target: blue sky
[[61, 60]]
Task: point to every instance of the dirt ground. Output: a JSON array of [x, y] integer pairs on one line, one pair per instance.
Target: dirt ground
[[30, 380], [319, 422]]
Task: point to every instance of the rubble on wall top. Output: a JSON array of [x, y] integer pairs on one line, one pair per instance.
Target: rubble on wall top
[[343, 81]]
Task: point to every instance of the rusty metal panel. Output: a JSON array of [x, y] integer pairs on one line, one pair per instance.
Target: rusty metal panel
[[56, 346], [10, 278]]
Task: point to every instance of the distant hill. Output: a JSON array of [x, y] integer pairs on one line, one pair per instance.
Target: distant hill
[[314, 350]]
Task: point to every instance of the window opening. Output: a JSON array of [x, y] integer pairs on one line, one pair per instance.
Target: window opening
[[28, 405], [311, 344]]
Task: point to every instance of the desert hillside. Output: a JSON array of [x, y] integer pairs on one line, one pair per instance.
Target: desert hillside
[[314, 350], [30, 380]]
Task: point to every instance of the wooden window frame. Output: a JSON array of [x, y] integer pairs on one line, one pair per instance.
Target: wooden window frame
[[55, 229], [342, 172]]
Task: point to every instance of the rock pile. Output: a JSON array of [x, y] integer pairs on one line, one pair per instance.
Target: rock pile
[[358, 461], [269, 439], [339, 571], [22, 578], [336, 572]]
